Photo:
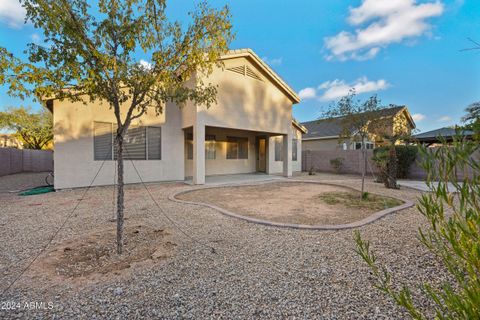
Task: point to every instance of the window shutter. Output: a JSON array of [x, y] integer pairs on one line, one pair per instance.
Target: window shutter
[[135, 144], [154, 138], [102, 141]]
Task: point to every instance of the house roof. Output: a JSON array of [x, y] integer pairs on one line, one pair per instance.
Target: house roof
[[332, 127], [445, 132], [248, 53], [299, 126]]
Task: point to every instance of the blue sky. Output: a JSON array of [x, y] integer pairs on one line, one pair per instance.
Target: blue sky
[[406, 51]]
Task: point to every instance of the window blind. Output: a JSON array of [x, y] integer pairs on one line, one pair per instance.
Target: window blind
[[102, 141], [154, 140]]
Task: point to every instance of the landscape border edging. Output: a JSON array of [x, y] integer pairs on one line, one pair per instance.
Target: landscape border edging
[[367, 220]]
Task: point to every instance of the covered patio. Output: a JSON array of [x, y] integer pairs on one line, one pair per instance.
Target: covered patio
[[213, 154]]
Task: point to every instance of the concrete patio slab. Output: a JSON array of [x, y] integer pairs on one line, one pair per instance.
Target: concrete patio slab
[[242, 178]]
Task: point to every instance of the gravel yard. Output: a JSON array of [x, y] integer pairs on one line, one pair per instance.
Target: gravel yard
[[21, 181], [255, 271]]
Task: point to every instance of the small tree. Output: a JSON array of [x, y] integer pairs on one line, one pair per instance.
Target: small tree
[[34, 129], [472, 119], [392, 130], [93, 53], [453, 236], [356, 119]]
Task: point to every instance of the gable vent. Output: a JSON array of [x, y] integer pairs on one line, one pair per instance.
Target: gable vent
[[252, 74], [245, 71], [239, 69]]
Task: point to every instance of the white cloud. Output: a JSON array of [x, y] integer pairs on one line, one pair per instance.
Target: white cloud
[[339, 88], [273, 61], [12, 13], [332, 90], [444, 119], [35, 37], [145, 64], [418, 117], [379, 23], [307, 93]]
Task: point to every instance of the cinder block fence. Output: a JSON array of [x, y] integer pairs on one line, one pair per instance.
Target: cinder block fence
[[352, 163], [25, 160]]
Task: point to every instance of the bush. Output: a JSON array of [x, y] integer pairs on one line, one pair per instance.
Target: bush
[[337, 164], [380, 158], [453, 237], [406, 155]]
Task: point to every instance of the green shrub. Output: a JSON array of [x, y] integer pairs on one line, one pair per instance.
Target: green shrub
[[406, 155], [453, 236], [337, 164]]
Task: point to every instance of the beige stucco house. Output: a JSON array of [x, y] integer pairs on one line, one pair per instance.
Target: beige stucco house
[[250, 129], [325, 134]]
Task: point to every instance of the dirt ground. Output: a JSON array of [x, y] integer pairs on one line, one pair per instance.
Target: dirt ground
[[93, 258], [285, 202]]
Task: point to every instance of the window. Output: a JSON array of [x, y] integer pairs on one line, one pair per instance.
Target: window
[[137, 141], [294, 149], [210, 147], [154, 141], [279, 148], [189, 141], [237, 148], [134, 144], [368, 145], [102, 141]]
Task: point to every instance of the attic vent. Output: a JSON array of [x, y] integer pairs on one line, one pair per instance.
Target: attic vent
[[245, 71], [239, 69], [252, 74]]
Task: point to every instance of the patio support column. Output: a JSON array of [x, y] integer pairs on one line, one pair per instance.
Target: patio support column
[[199, 154], [287, 154]]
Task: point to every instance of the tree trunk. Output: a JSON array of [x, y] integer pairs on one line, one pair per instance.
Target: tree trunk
[[119, 142], [364, 170]]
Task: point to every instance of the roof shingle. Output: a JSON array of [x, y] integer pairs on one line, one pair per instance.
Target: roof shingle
[[332, 127]]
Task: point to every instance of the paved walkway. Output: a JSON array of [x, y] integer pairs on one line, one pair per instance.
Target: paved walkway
[[421, 185], [237, 178]]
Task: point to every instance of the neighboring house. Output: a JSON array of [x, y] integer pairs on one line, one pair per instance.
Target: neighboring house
[[433, 138], [250, 129], [8, 140], [325, 134]]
